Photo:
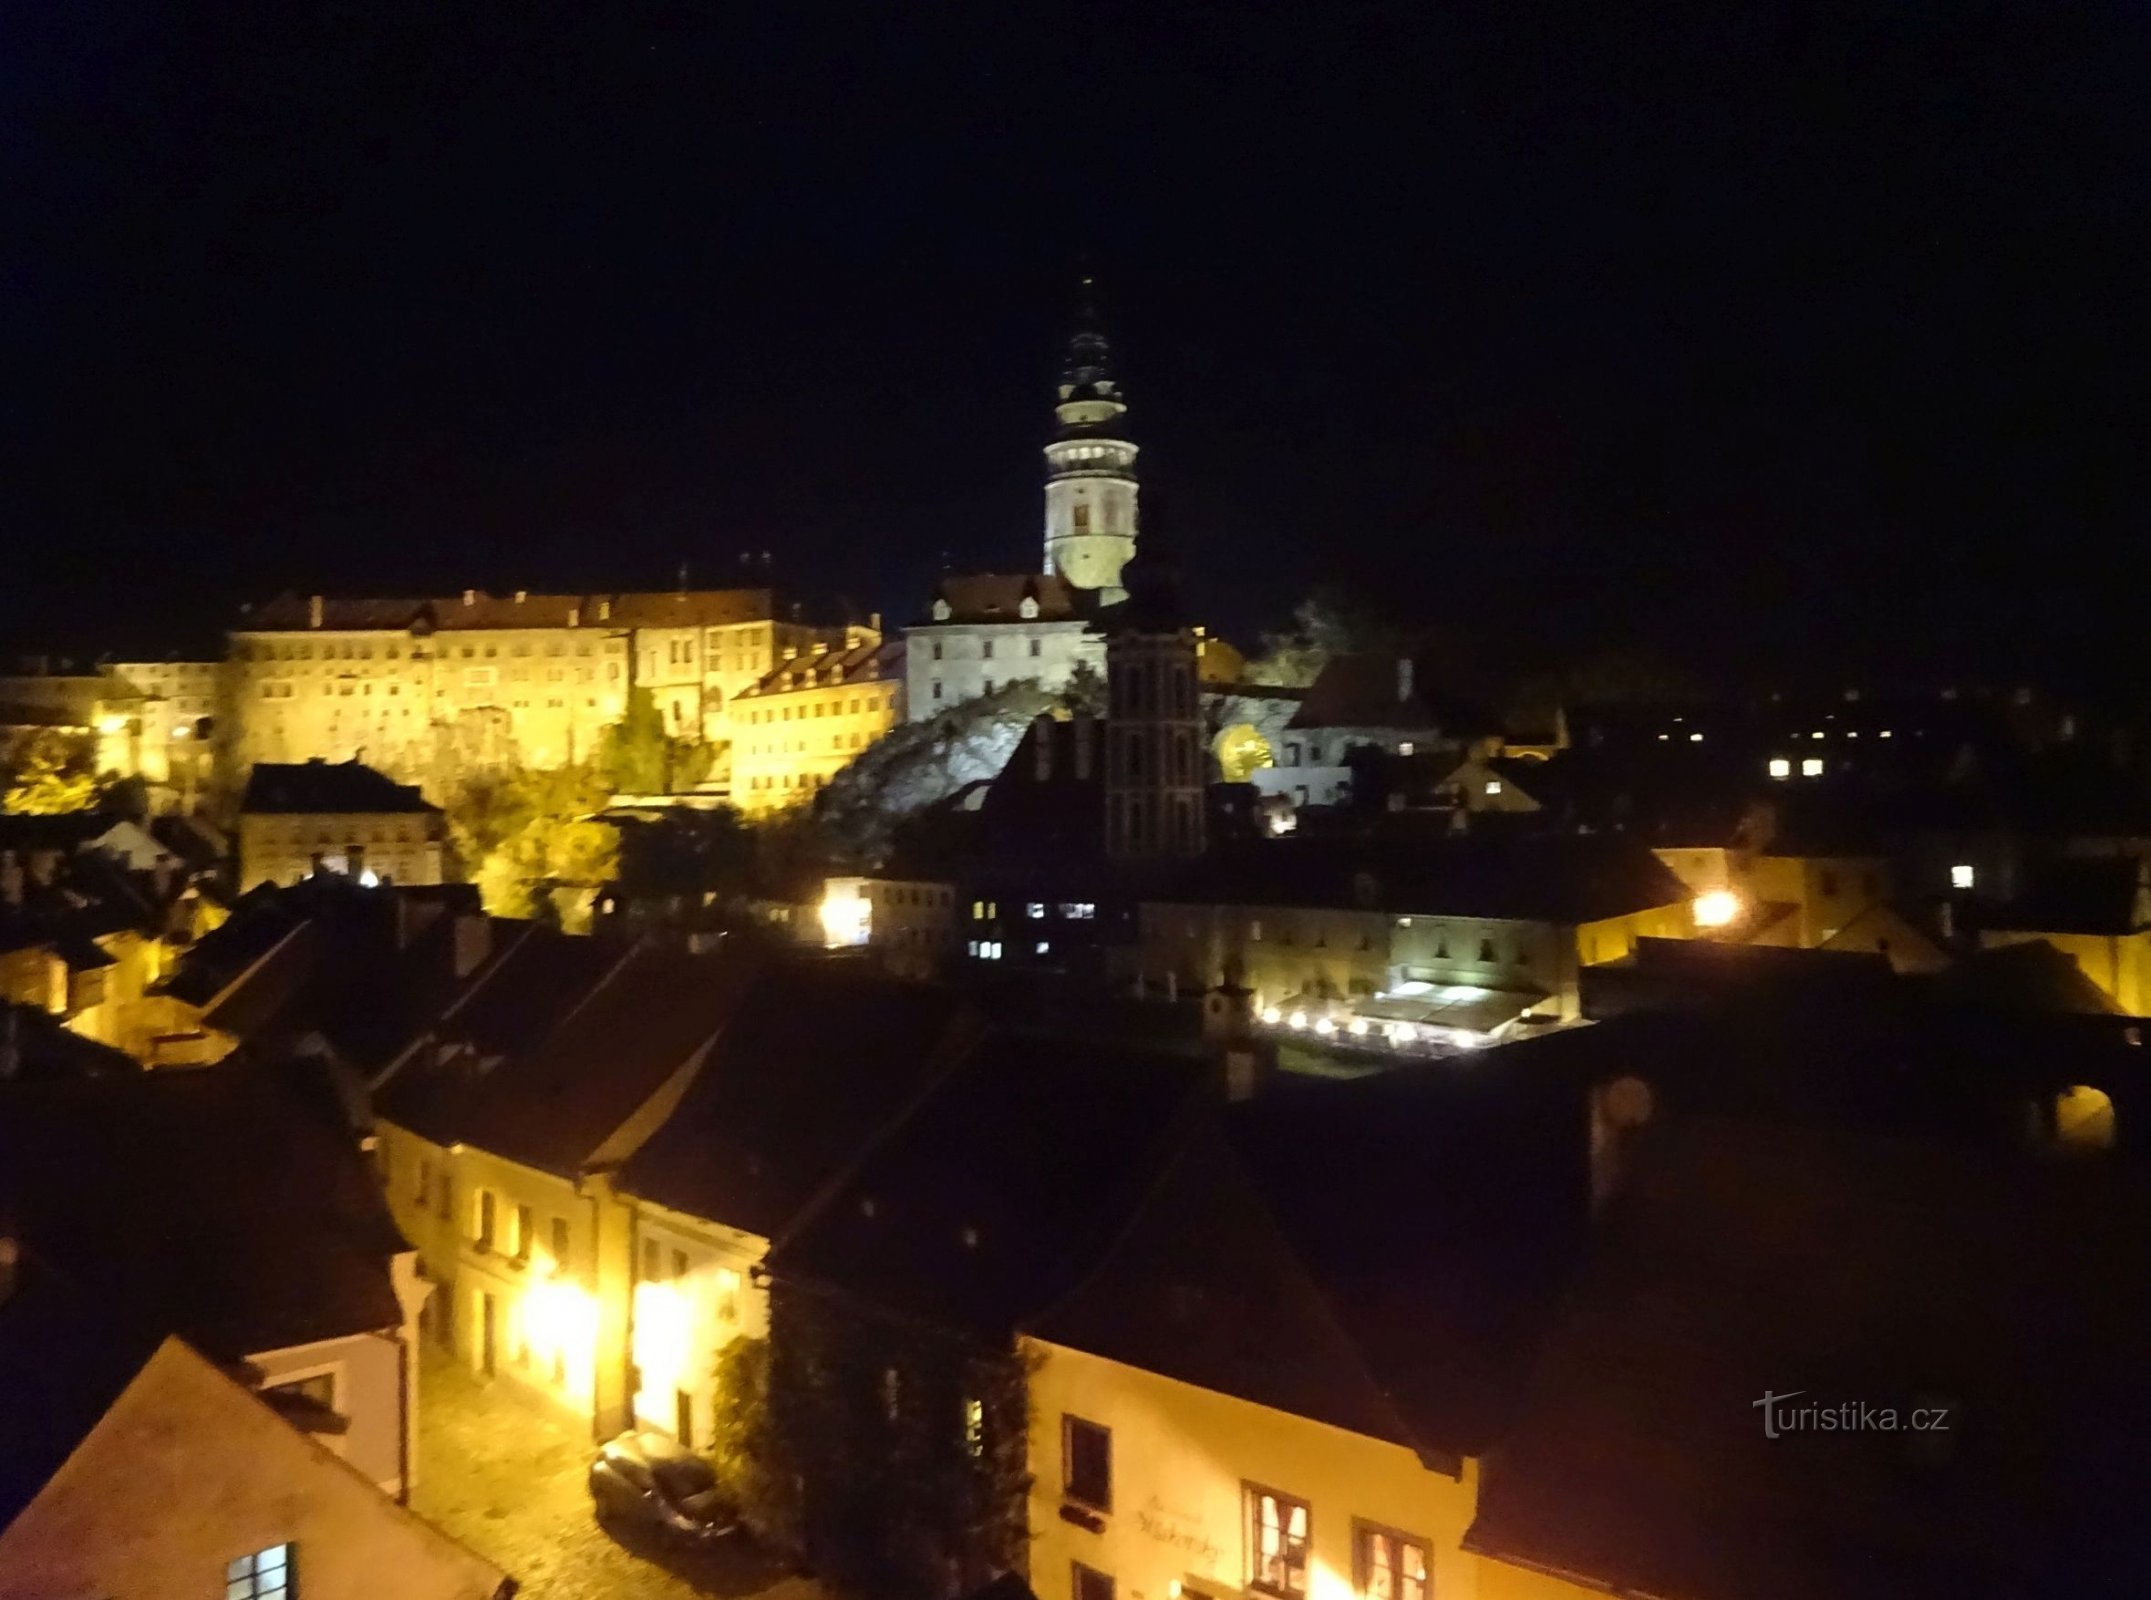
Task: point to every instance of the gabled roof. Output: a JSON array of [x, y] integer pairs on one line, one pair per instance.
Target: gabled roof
[[655, 609], [1835, 1268], [35, 1046], [1375, 1255], [215, 1203], [1002, 1188], [1382, 691], [1561, 879], [999, 597], [308, 787], [551, 1056], [860, 663], [812, 1066]]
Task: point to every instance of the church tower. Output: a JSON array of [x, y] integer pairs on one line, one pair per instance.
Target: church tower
[[1090, 467], [1157, 769]]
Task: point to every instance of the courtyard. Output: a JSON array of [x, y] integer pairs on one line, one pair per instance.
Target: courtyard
[[505, 1476]]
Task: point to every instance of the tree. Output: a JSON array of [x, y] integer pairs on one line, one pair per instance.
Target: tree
[[54, 770], [1333, 621], [638, 756]]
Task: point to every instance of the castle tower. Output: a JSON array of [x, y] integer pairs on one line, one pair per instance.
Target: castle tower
[[1157, 770], [1090, 467]]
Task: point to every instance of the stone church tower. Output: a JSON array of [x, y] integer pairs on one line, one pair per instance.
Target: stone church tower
[[1157, 768], [1090, 468]]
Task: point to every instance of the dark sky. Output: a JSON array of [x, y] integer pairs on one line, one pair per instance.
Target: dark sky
[[1768, 331]]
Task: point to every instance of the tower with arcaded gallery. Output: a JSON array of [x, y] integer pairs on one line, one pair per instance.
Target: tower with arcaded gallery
[[1091, 520]]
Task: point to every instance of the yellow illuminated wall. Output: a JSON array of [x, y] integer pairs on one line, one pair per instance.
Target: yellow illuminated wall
[[802, 725], [1182, 1459]]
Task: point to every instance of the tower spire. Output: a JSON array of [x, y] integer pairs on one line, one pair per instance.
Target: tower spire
[[1090, 465]]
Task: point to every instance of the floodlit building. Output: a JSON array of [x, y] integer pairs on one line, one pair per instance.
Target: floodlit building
[[908, 926], [417, 687], [807, 719], [813, 1068], [1366, 705], [1459, 936], [501, 1127], [305, 817], [987, 631]]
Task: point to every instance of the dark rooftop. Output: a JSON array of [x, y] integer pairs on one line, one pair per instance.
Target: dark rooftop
[[1744, 1260], [216, 1203], [1004, 1186], [813, 1064], [1559, 879], [310, 787]]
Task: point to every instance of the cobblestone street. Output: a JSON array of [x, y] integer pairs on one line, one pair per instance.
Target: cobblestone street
[[506, 1477]]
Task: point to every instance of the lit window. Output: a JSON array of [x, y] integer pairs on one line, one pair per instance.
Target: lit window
[[1043, 947], [1780, 767], [1087, 1463], [1493, 786], [1961, 876], [1695, 738], [1811, 767], [1404, 747], [1035, 910], [1276, 1542], [1387, 1565], [264, 1575]]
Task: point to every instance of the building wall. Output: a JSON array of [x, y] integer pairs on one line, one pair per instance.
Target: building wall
[[1704, 869], [367, 1372], [2120, 964], [400, 846], [908, 926], [946, 663], [540, 695], [1182, 1459], [1829, 890], [788, 744], [185, 1473], [544, 1285], [695, 1292], [1285, 953]]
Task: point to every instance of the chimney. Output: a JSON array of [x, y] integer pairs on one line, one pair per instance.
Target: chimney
[[1618, 1109], [1243, 1062], [470, 597], [473, 943], [575, 616], [313, 611], [1042, 737], [1404, 678]]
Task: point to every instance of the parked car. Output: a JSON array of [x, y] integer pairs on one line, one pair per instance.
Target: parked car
[[647, 1479]]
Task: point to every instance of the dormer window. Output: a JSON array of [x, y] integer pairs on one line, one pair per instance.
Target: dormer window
[[1029, 609], [942, 611]]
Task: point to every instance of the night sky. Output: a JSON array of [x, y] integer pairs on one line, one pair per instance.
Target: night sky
[[1768, 334]]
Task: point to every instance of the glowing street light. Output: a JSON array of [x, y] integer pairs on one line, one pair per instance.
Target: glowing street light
[[1717, 908]]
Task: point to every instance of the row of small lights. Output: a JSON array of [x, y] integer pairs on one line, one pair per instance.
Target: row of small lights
[[1356, 1027]]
